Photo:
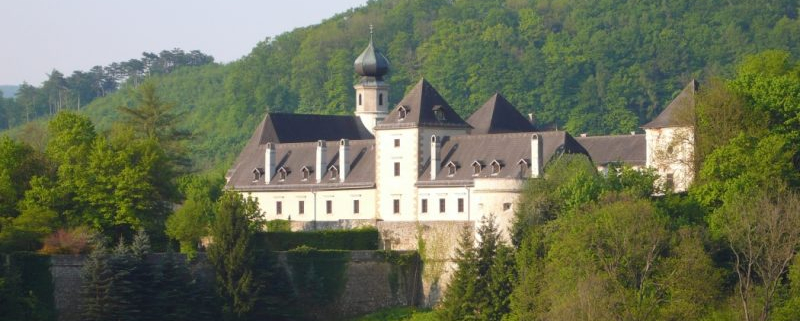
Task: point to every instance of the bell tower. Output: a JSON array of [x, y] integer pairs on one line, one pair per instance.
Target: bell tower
[[372, 93]]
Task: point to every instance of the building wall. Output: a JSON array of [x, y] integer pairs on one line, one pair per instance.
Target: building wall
[[671, 152], [315, 204], [497, 196], [389, 186]]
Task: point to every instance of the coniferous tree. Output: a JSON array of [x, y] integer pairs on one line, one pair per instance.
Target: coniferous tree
[[143, 279], [232, 254], [459, 300], [122, 289], [97, 277]]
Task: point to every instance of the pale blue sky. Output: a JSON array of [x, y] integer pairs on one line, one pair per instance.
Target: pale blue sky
[[39, 35]]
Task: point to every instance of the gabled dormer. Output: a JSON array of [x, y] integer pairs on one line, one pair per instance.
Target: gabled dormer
[[496, 166], [477, 166], [333, 172], [452, 168], [258, 172], [283, 172], [306, 171], [523, 165]]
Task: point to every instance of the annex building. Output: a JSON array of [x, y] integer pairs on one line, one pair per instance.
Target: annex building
[[418, 160]]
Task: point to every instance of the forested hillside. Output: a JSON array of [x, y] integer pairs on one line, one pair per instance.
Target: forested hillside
[[588, 66]]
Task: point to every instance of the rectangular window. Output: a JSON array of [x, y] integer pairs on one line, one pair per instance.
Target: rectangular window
[[278, 208], [461, 205], [506, 206], [396, 169], [396, 207], [396, 142], [301, 207], [441, 205], [355, 207], [424, 206], [328, 207]]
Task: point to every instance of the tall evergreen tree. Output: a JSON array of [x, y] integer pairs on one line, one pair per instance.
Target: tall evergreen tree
[[232, 254], [459, 300], [97, 277]]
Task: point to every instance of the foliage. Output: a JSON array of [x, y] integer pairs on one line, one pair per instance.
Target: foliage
[[26, 287], [279, 226], [72, 241], [398, 314], [129, 284], [191, 222], [366, 238], [232, 254]]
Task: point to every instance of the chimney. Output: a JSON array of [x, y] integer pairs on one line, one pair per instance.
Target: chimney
[[320, 164], [633, 133], [269, 163], [531, 119], [434, 156], [584, 135], [537, 159], [344, 152]]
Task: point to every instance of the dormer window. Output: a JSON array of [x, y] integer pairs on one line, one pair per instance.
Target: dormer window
[[334, 172], [257, 173], [476, 168], [402, 112], [306, 172], [438, 112], [496, 166], [451, 168], [282, 172], [523, 167]]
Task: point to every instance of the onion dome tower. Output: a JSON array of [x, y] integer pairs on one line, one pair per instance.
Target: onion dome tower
[[372, 93]]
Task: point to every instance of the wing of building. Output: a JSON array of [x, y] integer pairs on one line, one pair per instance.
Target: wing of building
[[421, 161]]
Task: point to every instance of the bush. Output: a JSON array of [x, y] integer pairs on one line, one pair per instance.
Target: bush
[[353, 240], [279, 226], [72, 241]]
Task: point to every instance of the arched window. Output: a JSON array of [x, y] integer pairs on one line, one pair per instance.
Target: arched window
[[359, 99], [380, 99]]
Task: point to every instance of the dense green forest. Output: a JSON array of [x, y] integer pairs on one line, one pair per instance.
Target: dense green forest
[[585, 246], [597, 67]]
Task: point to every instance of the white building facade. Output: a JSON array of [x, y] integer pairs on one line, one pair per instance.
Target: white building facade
[[421, 162]]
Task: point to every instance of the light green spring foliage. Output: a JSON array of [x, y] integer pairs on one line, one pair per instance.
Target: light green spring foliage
[[586, 67], [192, 221]]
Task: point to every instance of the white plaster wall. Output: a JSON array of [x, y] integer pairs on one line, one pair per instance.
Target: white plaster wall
[[342, 204], [390, 187], [491, 195], [451, 196], [671, 151], [425, 143]]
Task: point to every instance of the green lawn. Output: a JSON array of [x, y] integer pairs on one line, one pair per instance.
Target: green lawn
[[399, 314]]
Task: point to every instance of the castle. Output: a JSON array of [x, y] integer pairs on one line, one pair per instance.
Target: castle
[[419, 161]]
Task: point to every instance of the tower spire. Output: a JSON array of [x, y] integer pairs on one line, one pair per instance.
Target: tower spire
[[370, 33]]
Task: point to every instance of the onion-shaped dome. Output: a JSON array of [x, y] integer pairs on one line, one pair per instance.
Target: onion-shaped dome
[[372, 63]]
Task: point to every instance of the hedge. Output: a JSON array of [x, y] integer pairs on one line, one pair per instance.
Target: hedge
[[352, 240], [35, 282]]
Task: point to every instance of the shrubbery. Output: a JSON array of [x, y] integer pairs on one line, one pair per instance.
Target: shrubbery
[[355, 239]]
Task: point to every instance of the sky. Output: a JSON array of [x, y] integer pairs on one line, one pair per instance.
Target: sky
[[37, 36]]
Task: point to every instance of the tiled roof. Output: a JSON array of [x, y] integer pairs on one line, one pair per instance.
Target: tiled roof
[[294, 156], [498, 115], [420, 107], [507, 149], [629, 149], [679, 111]]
